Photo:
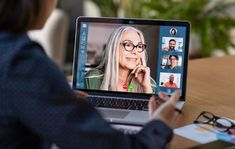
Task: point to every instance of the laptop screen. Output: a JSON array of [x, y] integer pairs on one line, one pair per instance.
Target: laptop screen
[[130, 56]]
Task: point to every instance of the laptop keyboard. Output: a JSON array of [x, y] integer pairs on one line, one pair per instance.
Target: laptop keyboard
[[119, 103]]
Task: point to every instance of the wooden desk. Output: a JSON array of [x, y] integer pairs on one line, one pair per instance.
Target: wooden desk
[[210, 87]]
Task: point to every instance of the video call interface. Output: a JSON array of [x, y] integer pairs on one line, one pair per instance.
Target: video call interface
[[162, 52]]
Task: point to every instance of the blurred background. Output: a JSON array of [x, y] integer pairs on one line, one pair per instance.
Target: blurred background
[[212, 21]]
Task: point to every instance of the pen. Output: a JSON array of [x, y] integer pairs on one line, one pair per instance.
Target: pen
[[178, 110]]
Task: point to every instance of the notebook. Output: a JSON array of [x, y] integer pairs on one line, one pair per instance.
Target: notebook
[[120, 63]]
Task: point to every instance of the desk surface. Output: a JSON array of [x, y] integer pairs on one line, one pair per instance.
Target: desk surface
[[210, 87]]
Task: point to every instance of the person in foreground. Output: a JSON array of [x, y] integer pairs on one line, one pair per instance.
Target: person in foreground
[[38, 107]]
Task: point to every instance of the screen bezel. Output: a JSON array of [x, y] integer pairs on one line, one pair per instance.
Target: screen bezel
[[126, 21]]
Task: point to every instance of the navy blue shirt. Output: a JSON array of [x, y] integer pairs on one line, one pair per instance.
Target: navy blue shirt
[[38, 107]]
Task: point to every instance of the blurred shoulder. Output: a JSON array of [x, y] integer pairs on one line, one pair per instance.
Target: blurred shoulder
[[16, 46], [24, 57]]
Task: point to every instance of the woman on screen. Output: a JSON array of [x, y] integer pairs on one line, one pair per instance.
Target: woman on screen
[[123, 67]]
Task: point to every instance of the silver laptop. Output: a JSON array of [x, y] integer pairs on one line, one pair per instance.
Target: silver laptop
[[120, 63]]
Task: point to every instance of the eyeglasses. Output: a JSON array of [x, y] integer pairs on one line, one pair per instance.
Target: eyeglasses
[[129, 46], [219, 123]]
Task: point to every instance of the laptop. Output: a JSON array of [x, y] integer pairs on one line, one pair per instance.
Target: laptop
[[120, 63]]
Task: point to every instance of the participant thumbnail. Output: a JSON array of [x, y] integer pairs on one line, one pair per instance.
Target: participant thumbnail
[[170, 80], [172, 44], [171, 62], [173, 31]]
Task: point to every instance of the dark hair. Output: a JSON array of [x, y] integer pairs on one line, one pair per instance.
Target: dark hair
[[176, 56], [19, 15], [173, 33], [172, 40]]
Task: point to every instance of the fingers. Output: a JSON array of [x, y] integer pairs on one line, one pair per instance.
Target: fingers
[[133, 71], [81, 93], [146, 71], [175, 97], [163, 96], [152, 105], [171, 101], [139, 69], [136, 71], [166, 112]]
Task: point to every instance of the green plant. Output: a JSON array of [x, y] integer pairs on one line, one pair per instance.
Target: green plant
[[109, 8], [211, 22]]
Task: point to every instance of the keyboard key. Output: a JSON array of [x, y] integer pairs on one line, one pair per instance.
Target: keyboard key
[[119, 103]]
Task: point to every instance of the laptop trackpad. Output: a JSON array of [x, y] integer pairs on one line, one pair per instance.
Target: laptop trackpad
[[113, 113]]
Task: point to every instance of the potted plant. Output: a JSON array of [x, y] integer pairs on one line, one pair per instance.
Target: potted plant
[[210, 19]]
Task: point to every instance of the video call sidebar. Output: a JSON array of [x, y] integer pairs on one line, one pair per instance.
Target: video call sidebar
[[82, 55], [170, 34]]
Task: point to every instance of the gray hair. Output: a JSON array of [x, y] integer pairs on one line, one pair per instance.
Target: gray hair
[[110, 62]]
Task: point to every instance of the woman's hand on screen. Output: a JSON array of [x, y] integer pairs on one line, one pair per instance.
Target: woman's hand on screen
[[142, 75]]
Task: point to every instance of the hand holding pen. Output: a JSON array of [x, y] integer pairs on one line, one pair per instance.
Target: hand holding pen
[[165, 108]]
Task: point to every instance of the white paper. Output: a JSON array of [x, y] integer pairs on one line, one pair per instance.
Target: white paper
[[196, 133], [203, 133]]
